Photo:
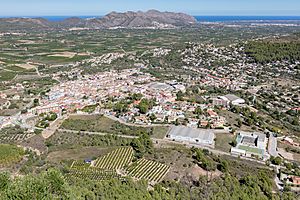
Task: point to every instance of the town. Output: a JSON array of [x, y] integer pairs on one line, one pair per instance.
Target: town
[[168, 106]]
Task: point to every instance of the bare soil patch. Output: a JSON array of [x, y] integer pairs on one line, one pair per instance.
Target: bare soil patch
[[63, 54], [26, 66], [78, 153]]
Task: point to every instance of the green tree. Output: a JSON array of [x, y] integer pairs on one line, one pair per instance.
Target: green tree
[[223, 166], [179, 96], [152, 117], [276, 160], [145, 105], [142, 145], [198, 111], [240, 123]]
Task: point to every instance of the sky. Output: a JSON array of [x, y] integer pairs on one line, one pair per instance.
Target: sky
[[193, 7]]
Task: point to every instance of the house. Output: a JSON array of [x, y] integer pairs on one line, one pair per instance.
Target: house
[[4, 104], [160, 117], [220, 102], [46, 109], [193, 123], [172, 118], [272, 145], [212, 113], [142, 119], [290, 179], [203, 123], [192, 135], [295, 180], [3, 95]]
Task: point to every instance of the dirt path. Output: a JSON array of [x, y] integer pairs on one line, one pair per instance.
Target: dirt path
[[48, 132]]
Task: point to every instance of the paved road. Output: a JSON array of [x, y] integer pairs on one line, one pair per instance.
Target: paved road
[[168, 142], [155, 140]]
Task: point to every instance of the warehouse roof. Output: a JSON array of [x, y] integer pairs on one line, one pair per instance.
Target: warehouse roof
[[232, 97], [187, 132], [160, 86]]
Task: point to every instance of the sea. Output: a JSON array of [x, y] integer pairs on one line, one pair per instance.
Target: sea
[[199, 18], [245, 18]]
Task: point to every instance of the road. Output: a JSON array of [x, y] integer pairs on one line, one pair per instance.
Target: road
[[167, 141], [123, 122], [155, 140], [48, 132], [96, 133]]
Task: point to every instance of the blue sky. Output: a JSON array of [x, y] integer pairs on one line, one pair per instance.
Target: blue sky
[[193, 7]]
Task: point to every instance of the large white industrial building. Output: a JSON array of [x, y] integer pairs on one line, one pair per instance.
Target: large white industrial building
[[192, 135]]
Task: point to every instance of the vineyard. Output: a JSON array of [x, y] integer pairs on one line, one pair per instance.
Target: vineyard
[[108, 166], [94, 174], [79, 165], [5, 138], [13, 134], [149, 170], [117, 159]]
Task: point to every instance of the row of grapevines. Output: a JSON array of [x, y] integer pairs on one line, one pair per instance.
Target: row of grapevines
[[117, 159], [149, 170]]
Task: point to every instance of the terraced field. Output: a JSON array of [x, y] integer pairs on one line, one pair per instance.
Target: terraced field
[[149, 170], [117, 159], [14, 134], [14, 137], [92, 173], [107, 166]]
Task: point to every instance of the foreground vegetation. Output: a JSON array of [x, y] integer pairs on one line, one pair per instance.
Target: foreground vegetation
[[52, 185]]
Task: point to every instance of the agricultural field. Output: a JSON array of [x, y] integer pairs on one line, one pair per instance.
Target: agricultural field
[[80, 153], [118, 164], [90, 173], [223, 141], [98, 123], [13, 135], [160, 132], [117, 159], [6, 138], [62, 140], [10, 154], [149, 170], [6, 75]]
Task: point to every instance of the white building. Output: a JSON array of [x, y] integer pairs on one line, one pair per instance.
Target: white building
[[227, 99], [4, 104], [192, 135], [251, 144]]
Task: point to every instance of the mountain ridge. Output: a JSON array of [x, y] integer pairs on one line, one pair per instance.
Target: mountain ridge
[[129, 19]]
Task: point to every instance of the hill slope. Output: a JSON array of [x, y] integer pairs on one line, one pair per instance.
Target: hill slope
[[149, 19]]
